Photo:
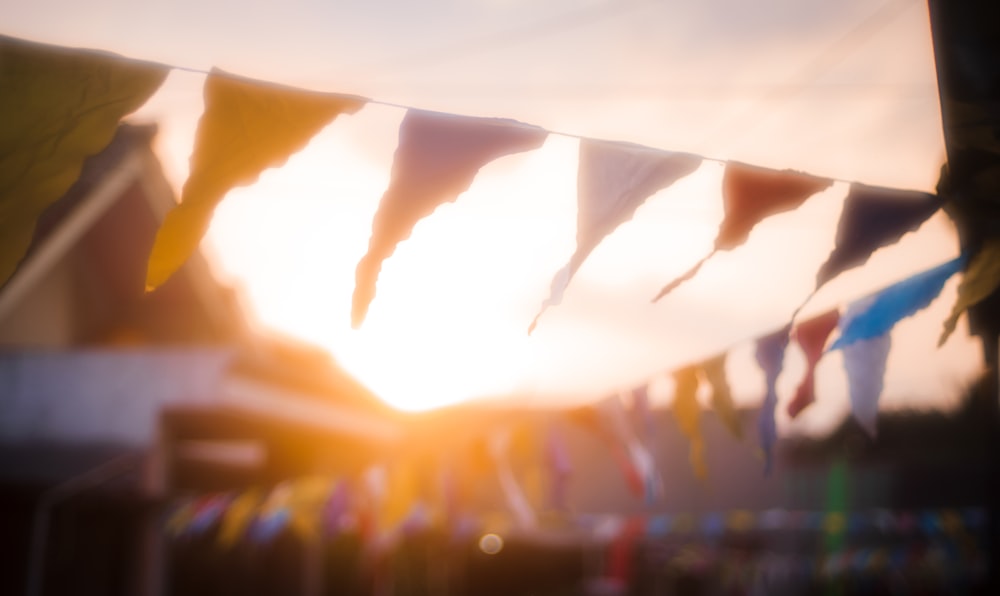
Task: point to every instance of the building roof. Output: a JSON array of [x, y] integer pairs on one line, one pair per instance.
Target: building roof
[[78, 298]]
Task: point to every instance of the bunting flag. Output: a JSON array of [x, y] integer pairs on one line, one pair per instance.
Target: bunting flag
[[635, 461], [621, 556], [246, 128], [613, 180], [560, 466], [336, 508], [837, 503], [591, 418], [750, 195], [714, 370], [207, 512], [58, 106], [811, 337], [864, 362], [641, 436], [642, 415], [687, 410], [520, 508], [238, 517], [895, 303], [437, 159], [274, 514], [180, 518], [403, 489], [979, 282], [873, 218], [306, 504], [771, 358]]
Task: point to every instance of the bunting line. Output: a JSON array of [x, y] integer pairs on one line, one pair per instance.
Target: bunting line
[[750, 193], [227, 157], [370, 100], [865, 366]]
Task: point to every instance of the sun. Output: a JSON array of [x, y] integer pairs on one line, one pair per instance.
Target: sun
[[442, 328]]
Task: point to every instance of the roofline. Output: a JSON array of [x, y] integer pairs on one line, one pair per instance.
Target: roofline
[[141, 166], [283, 404], [38, 262]]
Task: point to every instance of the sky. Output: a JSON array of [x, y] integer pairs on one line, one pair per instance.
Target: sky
[[845, 90]]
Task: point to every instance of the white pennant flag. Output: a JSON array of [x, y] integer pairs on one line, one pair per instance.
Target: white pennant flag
[[520, 508], [865, 362], [612, 181]]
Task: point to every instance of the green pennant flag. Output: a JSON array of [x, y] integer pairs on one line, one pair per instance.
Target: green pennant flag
[[58, 106]]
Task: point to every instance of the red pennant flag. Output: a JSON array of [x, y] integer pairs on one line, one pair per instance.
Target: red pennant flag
[[750, 195], [811, 336]]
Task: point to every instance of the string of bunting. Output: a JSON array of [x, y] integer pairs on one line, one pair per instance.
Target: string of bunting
[[388, 502], [862, 335], [737, 548], [66, 104], [318, 508]]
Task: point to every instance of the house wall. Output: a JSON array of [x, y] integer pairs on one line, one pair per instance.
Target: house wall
[[102, 396], [45, 318]]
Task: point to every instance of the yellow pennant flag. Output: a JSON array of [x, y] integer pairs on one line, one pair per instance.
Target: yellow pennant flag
[[58, 106], [687, 410], [181, 518], [308, 495], [981, 279], [238, 516], [247, 127], [404, 491], [714, 370]]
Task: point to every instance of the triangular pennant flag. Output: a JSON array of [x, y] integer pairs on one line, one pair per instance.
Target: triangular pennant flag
[[771, 358], [644, 427], [612, 427], [306, 503], [518, 503], [273, 515], [687, 411], [207, 512], [437, 159], [714, 370], [238, 517], [181, 517], [811, 337], [864, 363], [613, 180], [981, 279], [750, 195], [336, 508], [404, 488], [247, 127], [872, 218], [895, 303], [57, 107], [642, 414], [560, 466]]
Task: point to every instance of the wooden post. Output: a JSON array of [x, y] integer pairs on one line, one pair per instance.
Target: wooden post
[[966, 37], [150, 575]]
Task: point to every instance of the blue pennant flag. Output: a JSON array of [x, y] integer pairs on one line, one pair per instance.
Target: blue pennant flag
[[897, 302]]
